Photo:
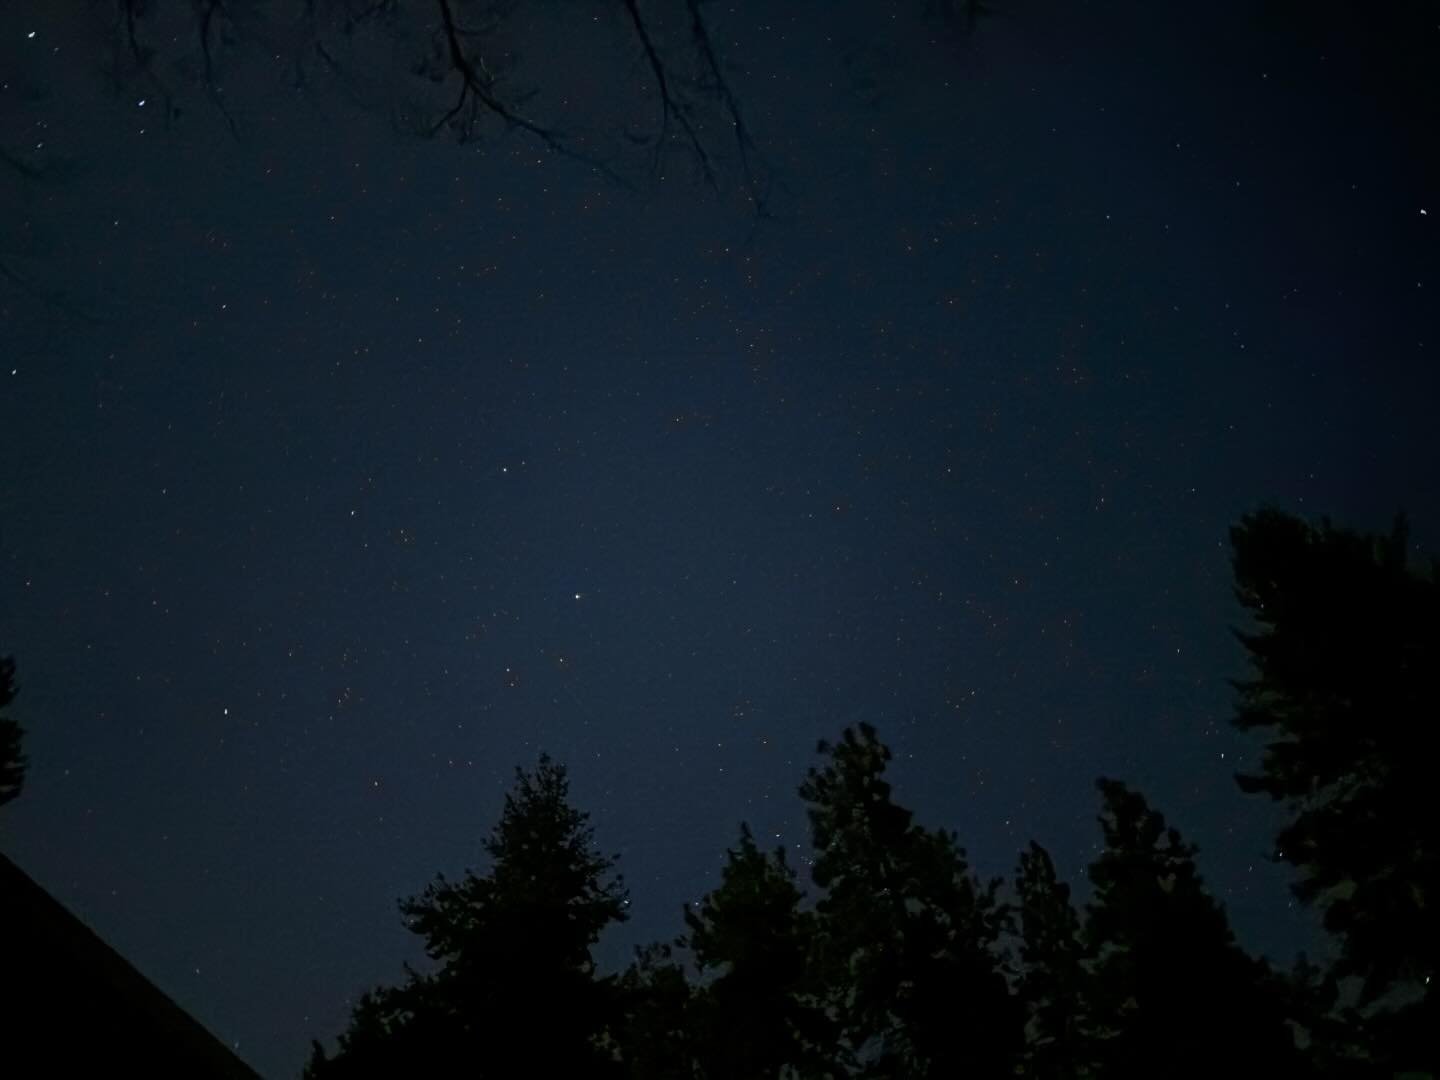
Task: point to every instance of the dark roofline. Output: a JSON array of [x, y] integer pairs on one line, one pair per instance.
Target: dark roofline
[[55, 941]]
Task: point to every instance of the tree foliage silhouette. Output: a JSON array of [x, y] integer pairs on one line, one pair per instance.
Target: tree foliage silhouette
[[655, 1035], [758, 1014], [12, 757], [1171, 993], [902, 966], [515, 990], [1345, 658], [1052, 971], [910, 939]]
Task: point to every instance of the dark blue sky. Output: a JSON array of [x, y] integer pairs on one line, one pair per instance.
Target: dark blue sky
[[356, 469]]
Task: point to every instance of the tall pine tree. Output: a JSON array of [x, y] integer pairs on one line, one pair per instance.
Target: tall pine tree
[[909, 943], [759, 1013], [515, 991], [1172, 993], [1052, 971]]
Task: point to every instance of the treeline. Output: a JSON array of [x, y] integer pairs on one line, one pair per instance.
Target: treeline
[[906, 963], [894, 959], [897, 960]]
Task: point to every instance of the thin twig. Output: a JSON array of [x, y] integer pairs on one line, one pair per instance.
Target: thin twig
[[207, 10], [670, 105], [727, 97], [475, 86]]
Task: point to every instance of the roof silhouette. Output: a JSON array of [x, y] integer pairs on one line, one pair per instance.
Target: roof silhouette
[[74, 1006]]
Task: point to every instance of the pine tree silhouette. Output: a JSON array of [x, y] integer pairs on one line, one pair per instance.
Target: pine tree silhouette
[[1053, 975], [1172, 993], [759, 1013], [515, 990], [654, 1038], [909, 942]]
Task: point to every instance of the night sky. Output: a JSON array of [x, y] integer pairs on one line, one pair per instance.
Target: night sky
[[345, 471]]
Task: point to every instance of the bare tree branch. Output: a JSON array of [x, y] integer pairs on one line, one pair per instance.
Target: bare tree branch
[[699, 109], [721, 86], [206, 11], [670, 104], [477, 90]]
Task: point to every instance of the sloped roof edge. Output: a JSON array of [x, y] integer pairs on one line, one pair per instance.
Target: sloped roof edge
[[67, 978]]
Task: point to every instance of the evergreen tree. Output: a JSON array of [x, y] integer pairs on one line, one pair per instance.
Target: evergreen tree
[[1172, 993], [654, 1037], [1345, 657], [758, 1016], [515, 990], [1333, 1035], [1052, 976], [394, 1031], [12, 758], [909, 938]]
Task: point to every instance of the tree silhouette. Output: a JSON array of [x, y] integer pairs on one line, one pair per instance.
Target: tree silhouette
[[1172, 994], [392, 1030], [479, 68], [1334, 1034], [1345, 657], [900, 969], [12, 758], [909, 939], [654, 1037], [461, 67], [1052, 971], [759, 1014], [515, 991]]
